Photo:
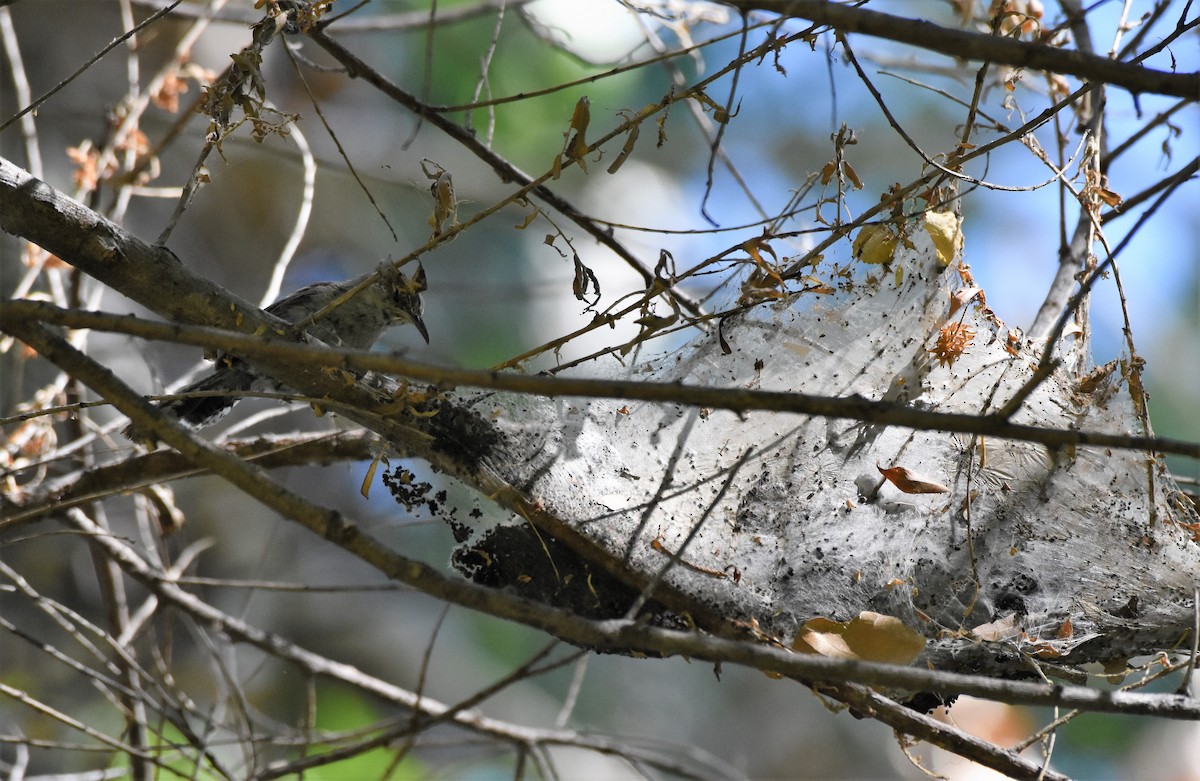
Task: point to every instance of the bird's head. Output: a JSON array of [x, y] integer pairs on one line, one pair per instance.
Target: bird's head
[[405, 298]]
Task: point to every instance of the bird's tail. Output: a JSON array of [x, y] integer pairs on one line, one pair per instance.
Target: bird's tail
[[199, 411]]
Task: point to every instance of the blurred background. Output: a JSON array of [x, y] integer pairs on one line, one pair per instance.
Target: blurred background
[[499, 290]]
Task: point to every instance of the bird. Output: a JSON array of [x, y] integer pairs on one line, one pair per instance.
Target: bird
[[356, 323]]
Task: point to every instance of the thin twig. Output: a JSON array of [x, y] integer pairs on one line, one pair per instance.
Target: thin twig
[[114, 43], [736, 399], [1186, 684]]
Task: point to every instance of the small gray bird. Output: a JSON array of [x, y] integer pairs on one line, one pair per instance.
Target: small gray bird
[[357, 322]]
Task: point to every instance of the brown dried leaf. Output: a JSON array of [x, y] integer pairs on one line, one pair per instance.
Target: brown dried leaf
[[852, 175], [1000, 629], [445, 205], [576, 146], [627, 150], [1109, 197], [953, 340], [911, 482], [529, 218], [872, 637], [961, 297], [160, 502], [761, 285]]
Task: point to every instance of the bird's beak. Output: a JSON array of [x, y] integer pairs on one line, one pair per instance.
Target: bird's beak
[[421, 329]]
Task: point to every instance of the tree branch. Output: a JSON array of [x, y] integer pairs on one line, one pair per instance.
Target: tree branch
[[623, 635], [735, 399], [962, 44], [160, 466]]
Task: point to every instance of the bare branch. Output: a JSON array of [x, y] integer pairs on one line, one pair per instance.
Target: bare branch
[[979, 46]]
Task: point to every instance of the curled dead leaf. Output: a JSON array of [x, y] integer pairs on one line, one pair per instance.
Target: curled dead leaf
[[1012, 342], [953, 340], [911, 482], [872, 637], [761, 285], [445, 205], [875, 244], [630, 141], [1000, 629], [943, 228], [160, 501], [961, 297]]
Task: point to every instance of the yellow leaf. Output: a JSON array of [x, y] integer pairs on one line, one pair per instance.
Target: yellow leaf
[[365, 490], [947, 238], [875, 244]]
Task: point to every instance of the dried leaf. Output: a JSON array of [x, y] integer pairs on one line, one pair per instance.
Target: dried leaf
[[911, 482], [576, 146], [1109, 197], [755, 247], [369, 478], [953, 340], [665, 268], [1000, 629], [160, 501], [1045, 650], [654, 322], [584, 279], [761, 285], [1096, 379], [944, 229], [701, 97], [577, 151], [961, 297], [875, 244], [1012, 343], [529, 218], [627, 150], [852, 175], [872, 637], [445, 205]]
